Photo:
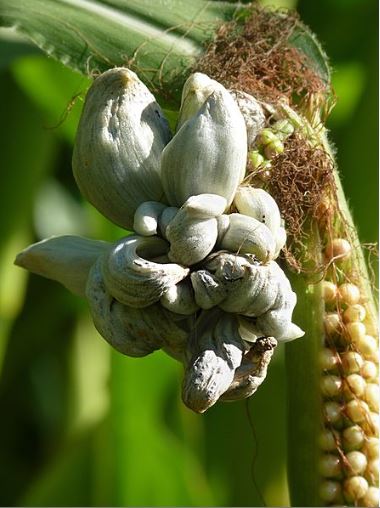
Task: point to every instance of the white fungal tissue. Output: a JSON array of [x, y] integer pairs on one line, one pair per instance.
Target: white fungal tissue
[[194, 279]]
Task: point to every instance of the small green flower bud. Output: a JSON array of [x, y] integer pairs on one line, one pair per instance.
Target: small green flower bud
[[273, 148], [266, 136], [283, 129], [256, 158]]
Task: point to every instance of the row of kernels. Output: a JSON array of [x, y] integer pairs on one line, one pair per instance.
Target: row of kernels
[[347, 362], [349, 466], [346, 293]]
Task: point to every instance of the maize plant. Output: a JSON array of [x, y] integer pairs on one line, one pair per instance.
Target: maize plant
[[238, 235]]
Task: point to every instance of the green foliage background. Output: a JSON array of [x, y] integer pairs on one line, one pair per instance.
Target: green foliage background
[[80, 424]]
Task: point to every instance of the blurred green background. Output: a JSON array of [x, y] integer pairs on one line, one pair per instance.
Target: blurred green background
[[80, 424]]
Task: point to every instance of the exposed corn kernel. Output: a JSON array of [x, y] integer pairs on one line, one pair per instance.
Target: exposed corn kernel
[[355, 488], [354, 313], [371, 396], [328, 359], [371, 499], [349, 293], [333, 413], [329, 491], [369, 370], [331, 386], [354, 386], [355, 331], [372, 472], [353, 438], [372, 424], [352, 362], [330, 466], [357, 410], [356, 463], [339, 248], [328, 440], [329, 291], [367, 346], [332, 323], [371, 447]]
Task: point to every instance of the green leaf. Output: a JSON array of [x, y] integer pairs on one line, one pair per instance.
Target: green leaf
[[305, 41], [55, 89], [145, 451], [13, 46], [158, 42]]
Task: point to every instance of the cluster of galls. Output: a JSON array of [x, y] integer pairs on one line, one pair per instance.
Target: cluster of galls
[[349, 440], [194, 279]]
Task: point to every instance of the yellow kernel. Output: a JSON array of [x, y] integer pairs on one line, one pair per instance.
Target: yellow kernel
[[354, 313], [354, 386], [330, 466], [331, 386], [357, 410], [371, 396], [329, 291], [329, 491], [371, 499], [339, 248], [372, 424], [352, 362], [372, 448], [329, 440], [349, 293], [356, 463], [369, 370], [332, 323], [372, 472], [355, 488], [353, 437], [355, 331], [333, 413], [367, 346], [328, 359]]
